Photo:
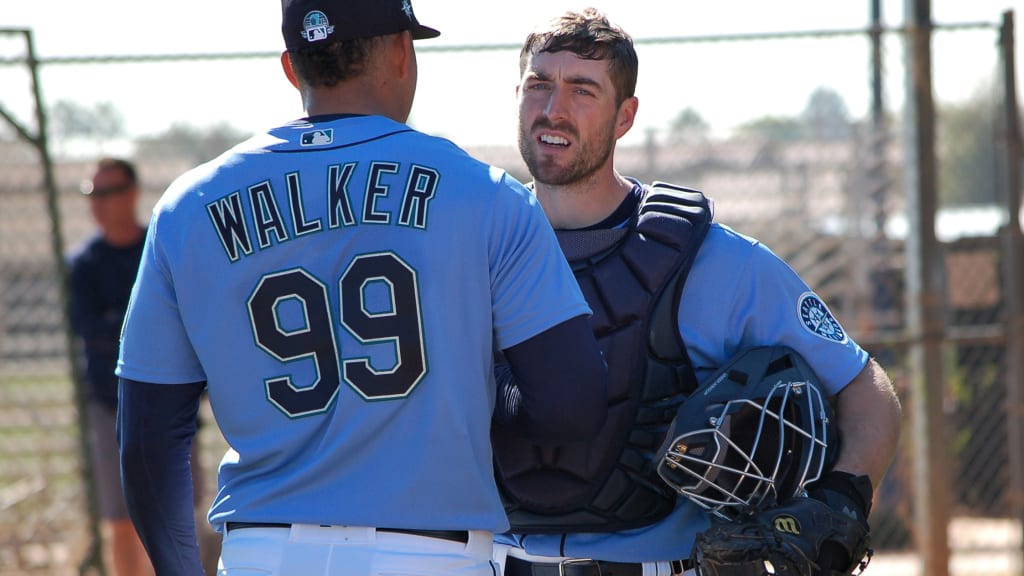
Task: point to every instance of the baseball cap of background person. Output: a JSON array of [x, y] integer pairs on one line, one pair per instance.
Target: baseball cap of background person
[[310, 22]]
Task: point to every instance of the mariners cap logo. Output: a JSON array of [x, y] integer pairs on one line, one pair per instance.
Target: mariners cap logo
[[818, 320], [316, 27]]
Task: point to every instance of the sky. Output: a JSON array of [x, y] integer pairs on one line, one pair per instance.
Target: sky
[[470, 96]]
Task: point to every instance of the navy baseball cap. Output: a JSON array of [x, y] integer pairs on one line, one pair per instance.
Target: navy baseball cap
[[311, 22]]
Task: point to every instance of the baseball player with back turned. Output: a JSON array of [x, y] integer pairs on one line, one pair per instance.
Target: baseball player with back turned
[[339, 285], [675, 297]]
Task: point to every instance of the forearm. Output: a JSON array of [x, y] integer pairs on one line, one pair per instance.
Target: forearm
[[869, 417], [554, 388], [156, 427]]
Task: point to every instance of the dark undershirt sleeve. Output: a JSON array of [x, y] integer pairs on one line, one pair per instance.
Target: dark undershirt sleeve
[[553, 388], [156, 424]]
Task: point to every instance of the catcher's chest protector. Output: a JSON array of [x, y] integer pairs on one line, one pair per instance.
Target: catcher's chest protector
[[632, 278]]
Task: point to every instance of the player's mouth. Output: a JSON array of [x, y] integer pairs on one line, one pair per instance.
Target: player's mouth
[[553, 140]]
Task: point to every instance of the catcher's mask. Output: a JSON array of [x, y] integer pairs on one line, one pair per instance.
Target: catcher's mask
[[754, 434]]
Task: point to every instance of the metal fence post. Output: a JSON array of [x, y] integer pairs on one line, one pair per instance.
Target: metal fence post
[[93, 559], [924, 279], [1012, 248]]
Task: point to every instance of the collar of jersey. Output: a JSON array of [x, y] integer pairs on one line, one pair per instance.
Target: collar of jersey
[[346, 130], [326, 118]]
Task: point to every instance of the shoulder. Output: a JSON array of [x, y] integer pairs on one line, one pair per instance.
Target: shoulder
[[470, 175], [87, 251], [724, 245], [456, 161], [736, 272], [192, 191], [185, 186], [728, 246]]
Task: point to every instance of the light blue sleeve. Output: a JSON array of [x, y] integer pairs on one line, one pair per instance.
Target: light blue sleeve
[[740, 294], [532, 286], [154, 345]]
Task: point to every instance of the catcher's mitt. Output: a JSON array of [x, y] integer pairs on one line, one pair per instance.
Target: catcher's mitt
[[825, 534]]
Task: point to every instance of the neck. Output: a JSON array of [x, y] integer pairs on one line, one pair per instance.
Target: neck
[[371, 94], [585, 202], [120, 236], [332, 104]]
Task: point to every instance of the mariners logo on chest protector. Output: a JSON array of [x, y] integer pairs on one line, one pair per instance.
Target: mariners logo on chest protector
[[817, 319]]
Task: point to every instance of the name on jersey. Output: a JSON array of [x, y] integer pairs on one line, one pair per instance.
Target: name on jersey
[[256, 219]]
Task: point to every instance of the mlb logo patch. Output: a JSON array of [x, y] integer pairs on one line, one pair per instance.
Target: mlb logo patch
[[317, 137], [316, 27], [818, 320]]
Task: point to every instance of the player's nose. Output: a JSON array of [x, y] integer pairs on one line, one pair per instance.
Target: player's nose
[[557, 105]]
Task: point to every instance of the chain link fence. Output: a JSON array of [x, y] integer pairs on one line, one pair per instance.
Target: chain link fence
[[823, 187]]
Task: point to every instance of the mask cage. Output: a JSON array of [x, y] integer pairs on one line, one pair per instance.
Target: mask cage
[[753, 452]]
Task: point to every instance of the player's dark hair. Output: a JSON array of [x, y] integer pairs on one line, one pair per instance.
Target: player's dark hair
[[126, 168], [590, 35], [325, 65]]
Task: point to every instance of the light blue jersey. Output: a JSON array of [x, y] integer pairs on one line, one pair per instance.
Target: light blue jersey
[[738, 294], [340, 285]]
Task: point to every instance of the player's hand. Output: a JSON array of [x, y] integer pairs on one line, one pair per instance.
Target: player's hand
[[825, 534], [850, 496]]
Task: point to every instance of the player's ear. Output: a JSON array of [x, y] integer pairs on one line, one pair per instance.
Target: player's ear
[[401, 53], [626, 115], [286, 65]]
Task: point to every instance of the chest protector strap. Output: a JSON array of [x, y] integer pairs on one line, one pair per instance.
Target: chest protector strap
[[632, 278]]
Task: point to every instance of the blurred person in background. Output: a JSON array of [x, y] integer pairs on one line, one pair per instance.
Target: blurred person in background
[[102, 272]]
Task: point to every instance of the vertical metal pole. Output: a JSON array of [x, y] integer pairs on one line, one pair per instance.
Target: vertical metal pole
[[1013, 283], [873, 251], [924, 279], [651, 152], [93, 557], [879, 130]]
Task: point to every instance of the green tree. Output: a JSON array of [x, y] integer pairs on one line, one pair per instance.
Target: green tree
[[772, 128], [688, 127], [70, 121], [826, 117]]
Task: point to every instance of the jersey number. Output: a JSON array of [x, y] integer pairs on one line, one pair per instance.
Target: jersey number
[[401, 325]]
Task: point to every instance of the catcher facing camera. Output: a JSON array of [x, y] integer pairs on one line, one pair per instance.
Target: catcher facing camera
[[675, 297], [306, 278]]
